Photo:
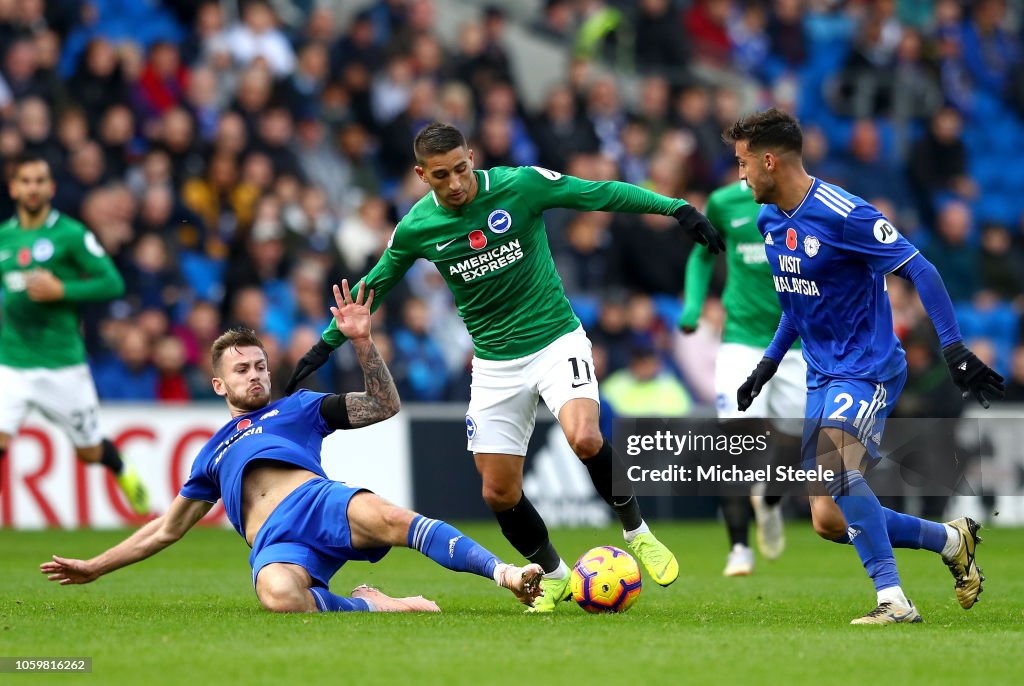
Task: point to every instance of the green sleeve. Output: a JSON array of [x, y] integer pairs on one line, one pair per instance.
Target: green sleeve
[[100, 278], [388, 271], [699, 269], [544, 189]]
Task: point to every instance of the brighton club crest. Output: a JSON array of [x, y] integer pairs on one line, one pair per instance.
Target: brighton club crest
[[811, 245], [499, 221]]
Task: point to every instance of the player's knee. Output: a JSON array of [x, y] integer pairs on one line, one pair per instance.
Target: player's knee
[[280, 593], [585, 441], [500, 496], [396, 521]]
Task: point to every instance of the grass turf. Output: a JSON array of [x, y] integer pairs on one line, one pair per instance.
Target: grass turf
[[189, 615]]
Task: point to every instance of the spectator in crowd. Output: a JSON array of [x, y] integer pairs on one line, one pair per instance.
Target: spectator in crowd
[[257, 37], [419, 366], [128, 374], [952, 252], [169, 360], [644, 389]]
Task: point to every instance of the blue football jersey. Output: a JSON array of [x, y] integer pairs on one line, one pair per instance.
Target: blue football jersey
[[287, 430], [829, 257]]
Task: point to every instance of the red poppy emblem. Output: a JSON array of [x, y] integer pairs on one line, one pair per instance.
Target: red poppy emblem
[[24, 257], [791, 239], [477, 239], [244, 424]]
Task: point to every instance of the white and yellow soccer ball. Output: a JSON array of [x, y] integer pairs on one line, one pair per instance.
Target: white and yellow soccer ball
[[605, 579]]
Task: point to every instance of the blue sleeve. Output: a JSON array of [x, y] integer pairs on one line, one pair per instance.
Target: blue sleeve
[[307, 406], [199, 485], [870, 236], [784, 338], [934, 297]]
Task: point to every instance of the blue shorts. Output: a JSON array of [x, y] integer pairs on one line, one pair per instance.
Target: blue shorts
[[309, 528], [856, 406]]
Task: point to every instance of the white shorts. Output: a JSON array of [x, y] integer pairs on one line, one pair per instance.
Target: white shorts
[[504, 393], [782, 398], [66, 396]]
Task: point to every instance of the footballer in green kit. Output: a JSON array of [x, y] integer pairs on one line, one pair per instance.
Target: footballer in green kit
[[484, 231], [752, 314], [49, 263]]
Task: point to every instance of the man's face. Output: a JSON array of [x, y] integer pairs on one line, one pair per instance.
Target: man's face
[[754, 168], [244, 379], [450, 176], [32, 186]]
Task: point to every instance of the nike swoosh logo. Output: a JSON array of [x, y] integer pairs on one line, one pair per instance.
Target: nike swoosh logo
[[442, 246], [736, 223], [577, 385], [5, 254]]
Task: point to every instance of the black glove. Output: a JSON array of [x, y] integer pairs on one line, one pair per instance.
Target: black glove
[[310, 362], [971, 375], [699, 228], [762, 373]]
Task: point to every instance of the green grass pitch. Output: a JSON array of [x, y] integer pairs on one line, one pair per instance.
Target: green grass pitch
[[189, 616]]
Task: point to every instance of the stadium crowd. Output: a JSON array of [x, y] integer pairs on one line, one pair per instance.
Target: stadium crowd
[[237, 159]]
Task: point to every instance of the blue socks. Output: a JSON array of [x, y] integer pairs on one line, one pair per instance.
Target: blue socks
[[329, 602], [445, 545], [908, 531], [866, 524]]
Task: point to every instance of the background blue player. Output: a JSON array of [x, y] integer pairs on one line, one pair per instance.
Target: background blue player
[[830, 252], [302, 527]]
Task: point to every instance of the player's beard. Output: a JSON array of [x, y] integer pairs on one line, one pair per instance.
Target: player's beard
[[250, 401], [32, 206], [764, 191]]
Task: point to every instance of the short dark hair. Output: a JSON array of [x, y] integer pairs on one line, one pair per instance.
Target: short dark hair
[[237, 337], [437, 138], [768, 129], [28, 157]]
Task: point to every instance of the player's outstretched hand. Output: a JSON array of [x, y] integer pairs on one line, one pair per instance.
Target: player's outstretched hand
[[762, 373], [352, 317], [66, 571], [314, 358], [699, 228], [971, 375]]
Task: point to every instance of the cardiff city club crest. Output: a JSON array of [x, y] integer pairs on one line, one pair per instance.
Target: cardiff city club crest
[[811, 245]]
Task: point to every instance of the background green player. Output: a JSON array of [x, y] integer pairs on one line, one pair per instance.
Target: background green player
[[485, 233], [752, 313], [48, 264]]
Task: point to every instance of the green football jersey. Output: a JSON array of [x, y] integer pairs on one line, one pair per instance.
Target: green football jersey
[[46, 334], [494, 254], [752, 309]]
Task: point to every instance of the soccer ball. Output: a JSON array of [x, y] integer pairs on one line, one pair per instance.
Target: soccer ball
[[605, 579]]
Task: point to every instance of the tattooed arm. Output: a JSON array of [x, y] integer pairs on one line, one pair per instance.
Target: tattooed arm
[[380, 399]]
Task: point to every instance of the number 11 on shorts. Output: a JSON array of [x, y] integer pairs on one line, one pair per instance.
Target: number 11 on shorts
[[577, 382]]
